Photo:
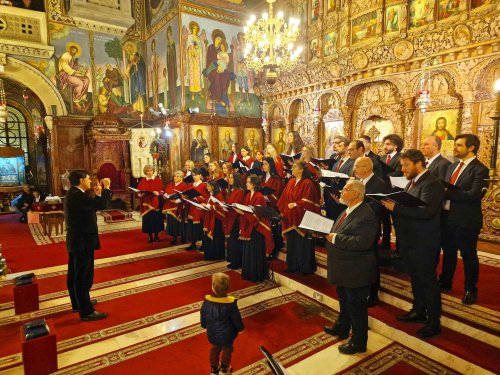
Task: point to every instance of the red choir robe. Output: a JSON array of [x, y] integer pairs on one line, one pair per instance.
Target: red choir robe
[[219, 176], [275, 183], [169, 206], [314, 172], [234, 157], [249, 222], [280, 168], [195, 213], [236, 196], [149, 202], [216, 212], [306, 195], [248, 162]]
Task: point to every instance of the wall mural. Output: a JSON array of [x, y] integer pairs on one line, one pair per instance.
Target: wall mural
[[392, 16], [164, 67], [253, 139], [448, 8], [364, 27], [216, 79], [72, 75], [421, 12], [278, 139], [315, 9], [329, 44], [227, 137], [200, 142], [175, 150], [443, 124], [156, 9]]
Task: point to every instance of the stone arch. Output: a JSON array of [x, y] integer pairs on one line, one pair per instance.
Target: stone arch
[[449, 74], [484, 80], [27, 75], [296, 107]]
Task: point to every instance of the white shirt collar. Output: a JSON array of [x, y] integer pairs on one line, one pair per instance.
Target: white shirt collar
[[418, 176], [467, 161], [429, 161], [392, 154], [79, 188], [197, 183], [352, 208], [345, 158], [365, 180]]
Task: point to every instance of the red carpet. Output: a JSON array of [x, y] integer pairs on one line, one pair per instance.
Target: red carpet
[[22, 253], [110, 273], [125, 309]]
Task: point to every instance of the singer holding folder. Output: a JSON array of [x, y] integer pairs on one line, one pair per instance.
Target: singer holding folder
[[194, 226], [351, 266], [300, 195], [213, 241], [235, 194], [418, 230], [152, 218], [272, 180], [173, 207]]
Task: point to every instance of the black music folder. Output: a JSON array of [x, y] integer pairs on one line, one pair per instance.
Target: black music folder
[[190, 193], [329, 162], [222, 183], [204, 172], [265, 190], [188, 179], [399, 197], [287, 159], [386, 168], [256, 171], [24, 279]]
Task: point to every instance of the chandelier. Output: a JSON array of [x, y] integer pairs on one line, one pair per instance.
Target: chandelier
[[3, 104], [270, 44], [424, 95]]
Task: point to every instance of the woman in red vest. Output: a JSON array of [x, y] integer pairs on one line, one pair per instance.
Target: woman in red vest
[[235, 194], [255, 235], [152, 218], [173, 208], [194, 227], [300, 195], [273, 181]]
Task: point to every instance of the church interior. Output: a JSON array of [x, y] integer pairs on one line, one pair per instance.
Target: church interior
[[114, 86]]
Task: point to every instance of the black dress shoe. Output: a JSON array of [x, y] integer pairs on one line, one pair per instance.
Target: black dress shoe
[[429, 330], [93, 301], [350, 348], [372, 301], [469, 298], [412, 317], [191, 247], [335, 331], [96, 315]]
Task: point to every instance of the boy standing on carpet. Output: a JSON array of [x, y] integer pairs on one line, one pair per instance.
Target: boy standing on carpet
[[222, 319]]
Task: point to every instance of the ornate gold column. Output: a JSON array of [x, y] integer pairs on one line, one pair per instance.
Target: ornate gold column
[[409, 136], [468, 97], [347, 114]]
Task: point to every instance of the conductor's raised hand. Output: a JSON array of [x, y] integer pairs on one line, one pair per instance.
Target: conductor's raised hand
[[98, 189], [106, 183], [156, 193]]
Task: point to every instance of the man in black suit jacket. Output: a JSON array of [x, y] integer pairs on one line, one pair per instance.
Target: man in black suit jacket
[[419, 238], [377, 168], [363, 169], [82, 238], [462, 215], [24, 203], [351, 266], [344, 165], [393, 144], [436, 163]]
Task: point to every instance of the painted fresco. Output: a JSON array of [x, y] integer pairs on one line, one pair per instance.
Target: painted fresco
[[164, 67], [364, 27], [199, 136], [421, 12], [314, 49], [175, 147], [278, 139], [216, 79], [330, 6], [315, 9], [156, 9], [227, 137], [448, 8], [478, 3], [329, 44], [72, 74], [252, 138], [443, 124], [392, 15]]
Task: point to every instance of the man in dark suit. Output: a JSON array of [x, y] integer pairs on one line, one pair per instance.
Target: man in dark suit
[[24, 203], [351, 266], [436, 163], [344, 165], [82, 239], [393, 144], [367, 141], [462, 215], [363, 169], [418, 233]]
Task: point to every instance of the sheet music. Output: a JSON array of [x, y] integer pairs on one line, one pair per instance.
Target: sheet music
[[134, 189], [215, 200], [201, 207], [331, 174], [243, 208], [316, 223], [399, 182]]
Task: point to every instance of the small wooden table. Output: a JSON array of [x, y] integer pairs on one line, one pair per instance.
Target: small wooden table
[[51, 216]]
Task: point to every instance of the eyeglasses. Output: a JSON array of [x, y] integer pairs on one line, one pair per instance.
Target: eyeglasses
[[344, 190]]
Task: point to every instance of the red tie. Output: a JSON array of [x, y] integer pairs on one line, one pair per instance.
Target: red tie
[[455, 174], [339, 165], [388, 159], [412, 184], [341, 220]]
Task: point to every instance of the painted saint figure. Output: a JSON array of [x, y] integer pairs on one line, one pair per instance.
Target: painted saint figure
[[74, 75], [199, 146], [136, 74], [172, 69], [194, 51], [155, 65], [441, 131]]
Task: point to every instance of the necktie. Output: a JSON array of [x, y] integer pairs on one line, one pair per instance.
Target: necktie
[[455, 174], [412, 184], [426, 163], [339, 165], [341, 220], [388, 160]]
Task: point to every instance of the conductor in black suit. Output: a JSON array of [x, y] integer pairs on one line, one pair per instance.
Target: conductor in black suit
[[367, 141], [363, 169], [351, 266], [436, 163], [418, 233], [462, 215], [393, 144], [82, 238]]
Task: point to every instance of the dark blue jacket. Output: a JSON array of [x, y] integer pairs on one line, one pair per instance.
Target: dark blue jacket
[[222, 319]]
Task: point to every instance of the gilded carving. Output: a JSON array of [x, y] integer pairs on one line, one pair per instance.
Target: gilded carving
[[461, 35], [403, 50], [359, 60]]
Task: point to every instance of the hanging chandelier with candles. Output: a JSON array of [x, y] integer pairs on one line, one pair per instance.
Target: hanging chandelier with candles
[[270, 44]]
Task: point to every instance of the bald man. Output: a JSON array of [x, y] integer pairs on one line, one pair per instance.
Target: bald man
[[436, 163], [363, 169]]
